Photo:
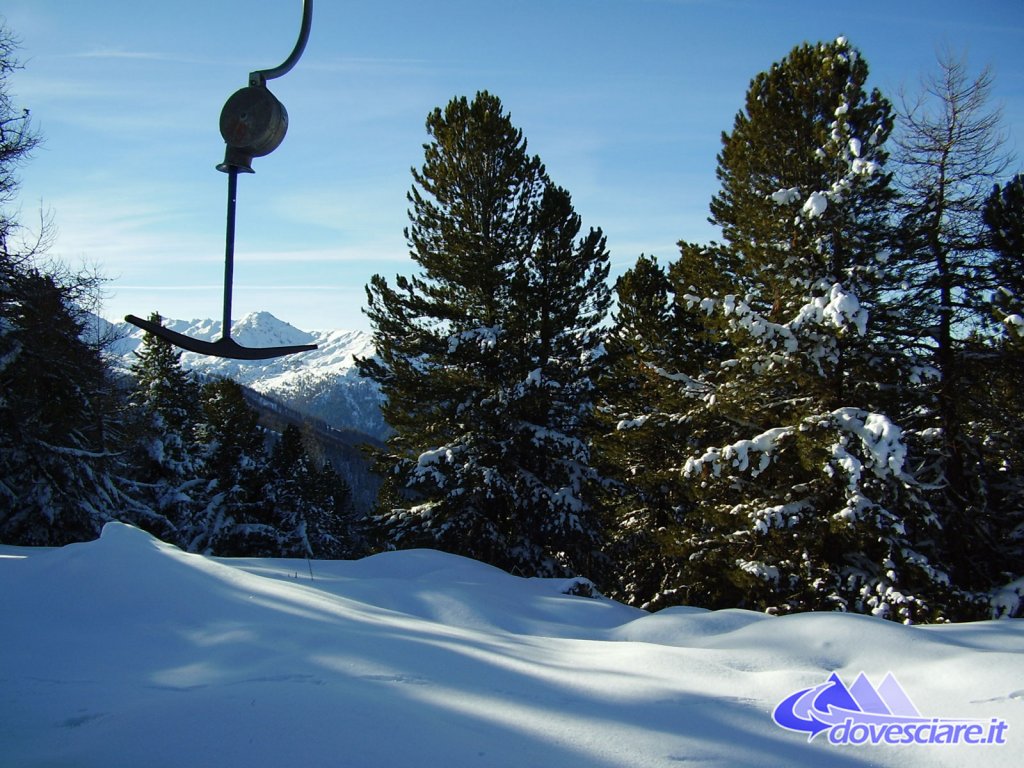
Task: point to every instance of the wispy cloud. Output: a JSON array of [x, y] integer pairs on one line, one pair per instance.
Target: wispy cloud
[[115, 53], [125, 229], [136, 55]]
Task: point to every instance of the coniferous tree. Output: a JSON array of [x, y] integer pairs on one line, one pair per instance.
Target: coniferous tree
[[164, 453], [487, 357], [658, 357], [638, 343], [798, 494], [233, 519], [812, 391], [334, 532], [56, 486], [288, 470], [310, 502]]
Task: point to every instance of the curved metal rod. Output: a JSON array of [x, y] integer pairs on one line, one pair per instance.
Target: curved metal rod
[[223, 347], [260, 77]]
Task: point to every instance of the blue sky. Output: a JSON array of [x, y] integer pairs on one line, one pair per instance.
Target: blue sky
[[624, 101]]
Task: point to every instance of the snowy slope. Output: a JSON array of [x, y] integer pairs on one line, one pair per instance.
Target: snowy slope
[[127, 652], [323, 382]]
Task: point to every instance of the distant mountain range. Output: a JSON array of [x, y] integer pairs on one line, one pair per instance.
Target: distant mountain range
[[323, 384], [320, 390]]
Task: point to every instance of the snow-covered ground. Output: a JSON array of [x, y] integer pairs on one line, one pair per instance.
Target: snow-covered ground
[[127, 652]]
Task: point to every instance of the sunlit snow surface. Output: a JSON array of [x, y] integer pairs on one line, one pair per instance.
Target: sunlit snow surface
[[127, 652]]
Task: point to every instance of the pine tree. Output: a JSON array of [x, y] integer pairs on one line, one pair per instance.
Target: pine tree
[[234, 519], [166, 410], [55, 481], [797, 490], [311, 502], [487, 357], [658, 357], [285, 492], [332, 527]]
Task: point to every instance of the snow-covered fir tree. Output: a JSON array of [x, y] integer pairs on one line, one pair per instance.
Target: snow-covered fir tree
[[232, 518], [57, 477], [488, 356], [162, 438], [310, 501], [798, 492]]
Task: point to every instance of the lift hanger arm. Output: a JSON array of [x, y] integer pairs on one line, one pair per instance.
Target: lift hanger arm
[[261, 76], [223, 347]]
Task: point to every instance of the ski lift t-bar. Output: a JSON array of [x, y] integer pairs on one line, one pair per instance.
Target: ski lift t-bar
[[253, 124]]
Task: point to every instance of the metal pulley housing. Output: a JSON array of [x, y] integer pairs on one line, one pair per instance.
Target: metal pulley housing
[[253, 124]]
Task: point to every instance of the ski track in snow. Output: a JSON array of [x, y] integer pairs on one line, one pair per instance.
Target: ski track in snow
[[127, 652]]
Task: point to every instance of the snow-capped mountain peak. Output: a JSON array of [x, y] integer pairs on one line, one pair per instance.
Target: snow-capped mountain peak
[[262, 329]]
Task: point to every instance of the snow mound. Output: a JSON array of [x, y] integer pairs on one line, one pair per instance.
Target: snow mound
[[126, 651]]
